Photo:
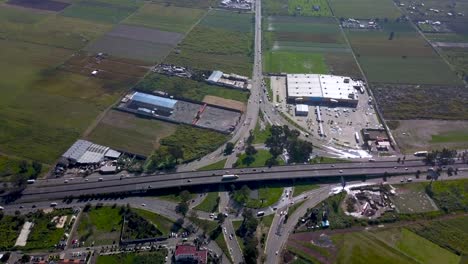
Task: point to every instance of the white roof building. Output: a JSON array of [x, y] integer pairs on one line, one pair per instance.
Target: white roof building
[[321, 88], [86, 152]]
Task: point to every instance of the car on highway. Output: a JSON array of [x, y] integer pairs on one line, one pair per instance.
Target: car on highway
[[341, 171], [143, 204], [53, 204], [409, 180], [2, 208]]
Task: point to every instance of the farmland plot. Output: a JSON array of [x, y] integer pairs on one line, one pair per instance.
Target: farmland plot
[[49, 5]]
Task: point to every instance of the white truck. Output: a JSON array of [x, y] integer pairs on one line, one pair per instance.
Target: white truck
[[229, 177]]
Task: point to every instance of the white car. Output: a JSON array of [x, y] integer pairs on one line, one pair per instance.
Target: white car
[[143, 204]]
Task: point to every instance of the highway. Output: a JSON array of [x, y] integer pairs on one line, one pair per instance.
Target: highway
[[57, 188]]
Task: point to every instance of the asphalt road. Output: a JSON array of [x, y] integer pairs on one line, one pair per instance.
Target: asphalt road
[[55, 189]]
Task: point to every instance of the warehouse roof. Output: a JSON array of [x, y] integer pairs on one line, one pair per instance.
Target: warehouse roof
[[86, 152], [153, 100], [319, 85], [304, 85], [215, 76]]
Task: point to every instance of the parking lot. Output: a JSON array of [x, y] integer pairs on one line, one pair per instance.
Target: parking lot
[[339, 124]]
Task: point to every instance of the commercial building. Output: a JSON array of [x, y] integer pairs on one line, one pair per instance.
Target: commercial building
[[151, 104], [86, 152], [302, 110], [319, 89], [190, 254]]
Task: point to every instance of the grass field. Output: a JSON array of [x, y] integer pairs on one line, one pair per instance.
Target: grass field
[[162, 223], [211, 45], [450, 195], [127, 132], [453, 136], [363, 248], [269, 194], [365, 9], [305, 8], [304, 186], [10, 227], [412, 198], [260, 158], [10, 169], [188, 3], [42, 236], [195, 142], [209, 204], [215, 166], [130, 258], [294, 62], [167, 18], [451, 234], [100, 225], [261, 135], [102, 11], [188, 88]]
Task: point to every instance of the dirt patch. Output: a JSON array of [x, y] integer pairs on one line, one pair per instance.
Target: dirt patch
[[146, 34], [23, 236], [48, 5], [233, 104], [414, 135]]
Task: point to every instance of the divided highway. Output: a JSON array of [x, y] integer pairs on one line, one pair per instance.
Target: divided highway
[[57, 188]]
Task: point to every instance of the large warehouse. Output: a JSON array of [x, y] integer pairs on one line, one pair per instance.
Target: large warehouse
[[319, 89]]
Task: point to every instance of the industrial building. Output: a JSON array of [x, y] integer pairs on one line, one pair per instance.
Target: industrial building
[[319, 89], [151, 104], [229, 80], [86, 152]]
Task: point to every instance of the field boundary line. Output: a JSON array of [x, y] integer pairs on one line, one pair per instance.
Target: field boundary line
[[369, 89]]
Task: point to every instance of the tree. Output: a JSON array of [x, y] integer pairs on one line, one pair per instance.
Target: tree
[[250, 150], [221, 217], [250, 139], [185, 195], [37, 166], [271, 162], [23, 166], [182, 208], [176, 152], [229, 148]]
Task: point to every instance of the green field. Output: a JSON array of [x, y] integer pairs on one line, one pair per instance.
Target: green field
[[215, 166], [133, 258], [305, 8], [124, 131], [43, 235], [211, 45], [267, 195], [363, 248], [102, 11], [164, 17], [101, 226], [209, 203], [11, 169], [454, 136], [162, 223], [304, 186], [261, 135], [195, 142], [451, 234], [294, 62], [450, 195], [260, 159], [364, 9], [10, 227], [188, 3], [188, 88]]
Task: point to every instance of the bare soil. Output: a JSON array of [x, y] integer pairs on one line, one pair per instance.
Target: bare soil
[[414, 135], [233, 104]]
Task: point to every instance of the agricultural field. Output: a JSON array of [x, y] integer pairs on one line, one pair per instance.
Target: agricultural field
[[458, 58], [138, 43], [309, 8], [212, 45], [188, 3], [412, 198], [450, 196], [164, 17], [417, 102], [126, 132], [103, 11], [306, 45], [361, 9], [399, 55], [187, 88], [414, 135], [47, 5]]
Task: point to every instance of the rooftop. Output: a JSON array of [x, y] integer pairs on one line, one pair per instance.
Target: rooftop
[[153, 100], [320, 85]]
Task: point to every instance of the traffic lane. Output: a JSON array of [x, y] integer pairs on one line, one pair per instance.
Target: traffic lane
[[181, 176], [232, 242], [151, 183]]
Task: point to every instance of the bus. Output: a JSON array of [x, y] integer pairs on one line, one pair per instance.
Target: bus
[[420, 153]]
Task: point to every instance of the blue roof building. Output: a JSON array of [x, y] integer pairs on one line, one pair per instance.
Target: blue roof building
[[154, 100]]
